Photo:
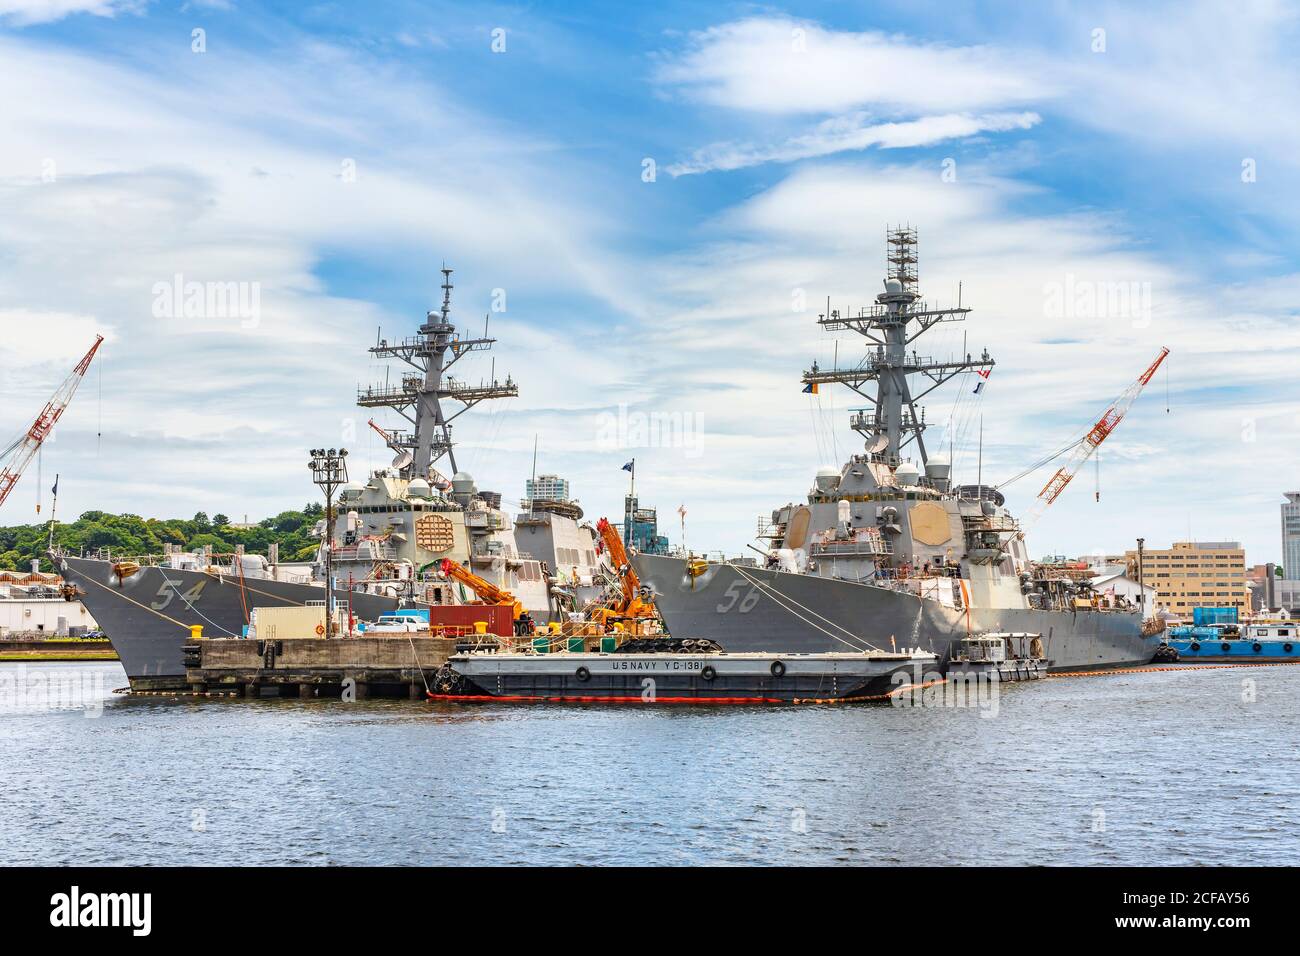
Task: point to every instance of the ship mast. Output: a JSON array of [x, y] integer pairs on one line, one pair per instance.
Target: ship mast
[[431, 353], [897, 319]]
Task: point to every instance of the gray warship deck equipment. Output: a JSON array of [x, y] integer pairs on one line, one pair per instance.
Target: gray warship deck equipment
[[887, 551]]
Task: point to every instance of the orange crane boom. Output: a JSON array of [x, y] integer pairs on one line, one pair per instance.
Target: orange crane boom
[[20, 454], [485, 589], [1084, 450], [632, 604]]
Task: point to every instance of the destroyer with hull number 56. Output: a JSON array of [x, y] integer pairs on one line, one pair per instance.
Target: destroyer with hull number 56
[[887, 552]]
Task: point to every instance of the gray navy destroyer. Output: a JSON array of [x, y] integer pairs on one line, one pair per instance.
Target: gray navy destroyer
[[886, 552], [388, 538]]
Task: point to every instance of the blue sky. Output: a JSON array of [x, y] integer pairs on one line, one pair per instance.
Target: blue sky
[[1034, 154]]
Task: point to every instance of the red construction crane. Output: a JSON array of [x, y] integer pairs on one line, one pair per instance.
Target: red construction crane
[[20, 454], [1086, 446]]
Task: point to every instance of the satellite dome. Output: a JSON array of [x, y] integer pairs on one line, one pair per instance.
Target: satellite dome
[[892, 285], [907, 473], [352, 489], [418, 488], [828, 471]]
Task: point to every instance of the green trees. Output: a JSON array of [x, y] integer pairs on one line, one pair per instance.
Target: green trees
[[130, 535]]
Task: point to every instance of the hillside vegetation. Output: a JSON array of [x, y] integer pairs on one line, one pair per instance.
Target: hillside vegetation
[[133, 535]]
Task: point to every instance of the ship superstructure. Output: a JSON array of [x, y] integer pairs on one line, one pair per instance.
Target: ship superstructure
[[886, 550]]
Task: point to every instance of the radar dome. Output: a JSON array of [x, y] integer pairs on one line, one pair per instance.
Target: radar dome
[[828, 478], [907, 473], [893, 286], [352, 489], [938, 467], [418, 488]]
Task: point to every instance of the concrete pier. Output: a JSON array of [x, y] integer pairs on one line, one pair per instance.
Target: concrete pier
[[315, 668]]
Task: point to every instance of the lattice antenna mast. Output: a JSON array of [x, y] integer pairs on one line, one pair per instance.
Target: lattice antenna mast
[[21, 452], [419, 399], [893, 419]]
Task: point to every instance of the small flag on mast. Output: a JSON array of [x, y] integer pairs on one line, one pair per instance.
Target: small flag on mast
[[810, 388], [630, 466]]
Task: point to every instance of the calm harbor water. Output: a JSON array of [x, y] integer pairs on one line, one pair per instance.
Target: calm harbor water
[[1155, 768]]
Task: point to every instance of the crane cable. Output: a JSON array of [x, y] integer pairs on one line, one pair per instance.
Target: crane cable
[[778, 597], [1040, 463]]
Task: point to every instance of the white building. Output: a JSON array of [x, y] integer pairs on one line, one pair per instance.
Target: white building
[[38, 608], [547, 488], [1111, 580]]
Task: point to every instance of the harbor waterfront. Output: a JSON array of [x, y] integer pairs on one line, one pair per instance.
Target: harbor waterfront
[[1160, 767]]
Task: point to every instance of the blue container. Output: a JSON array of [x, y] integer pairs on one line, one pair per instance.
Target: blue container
[[1202, 616]]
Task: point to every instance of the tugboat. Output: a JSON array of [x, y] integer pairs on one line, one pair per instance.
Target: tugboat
[[1000, 657]]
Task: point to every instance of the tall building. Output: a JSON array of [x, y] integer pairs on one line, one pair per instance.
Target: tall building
[[547, 488], [1264, 589], [1291, 536], [640, 528], [1193, 574]]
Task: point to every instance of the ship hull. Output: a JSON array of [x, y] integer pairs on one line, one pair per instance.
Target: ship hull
[[147, 616], [750, 609]]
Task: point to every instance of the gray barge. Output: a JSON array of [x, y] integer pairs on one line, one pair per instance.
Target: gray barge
[[715, 678]]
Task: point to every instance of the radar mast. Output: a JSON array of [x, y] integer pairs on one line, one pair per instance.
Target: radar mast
[[431, 352], [893, 419]]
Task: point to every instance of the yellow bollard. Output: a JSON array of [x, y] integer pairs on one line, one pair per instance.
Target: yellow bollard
[[196, 632], [480, 627]]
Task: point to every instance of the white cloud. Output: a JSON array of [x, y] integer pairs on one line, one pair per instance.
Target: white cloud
[[28, 12], [872, 85], [732, 349], [778, 65], [851, 133], [112, 181]]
